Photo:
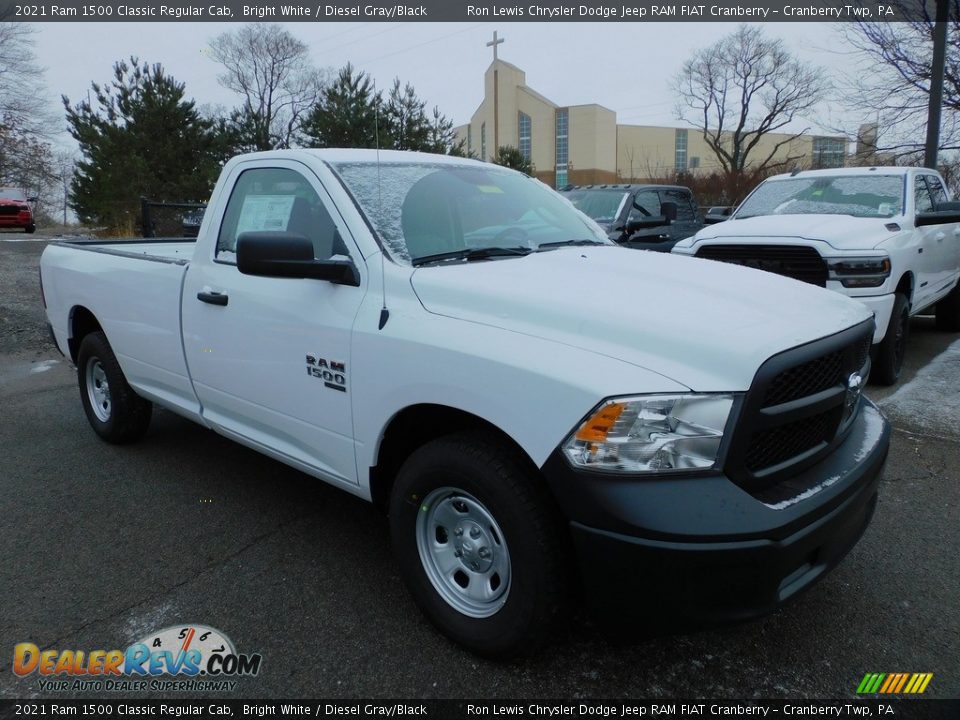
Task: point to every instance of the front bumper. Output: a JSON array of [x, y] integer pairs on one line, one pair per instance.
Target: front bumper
[[881, 306], [695, 551]]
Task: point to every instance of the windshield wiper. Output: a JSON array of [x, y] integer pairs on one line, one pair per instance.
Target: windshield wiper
[[470, 254], [570, 243]]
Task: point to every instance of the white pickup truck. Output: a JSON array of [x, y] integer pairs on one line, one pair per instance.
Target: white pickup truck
[[536, 408], [887, 236]]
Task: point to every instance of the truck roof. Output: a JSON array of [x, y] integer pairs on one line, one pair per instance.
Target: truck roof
[[847, 171], [342, 155]]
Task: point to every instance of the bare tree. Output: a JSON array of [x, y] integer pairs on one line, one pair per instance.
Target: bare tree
[[742, 89], [26, 123], [891, 81], [272, 72]]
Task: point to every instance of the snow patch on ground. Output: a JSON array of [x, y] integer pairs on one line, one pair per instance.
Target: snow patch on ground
[[931, 400], [43, 366]]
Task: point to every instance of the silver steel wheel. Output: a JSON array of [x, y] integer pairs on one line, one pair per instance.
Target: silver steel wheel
[[98, 389], [463, 552]]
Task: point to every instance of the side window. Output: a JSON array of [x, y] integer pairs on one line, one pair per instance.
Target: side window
[[684, 201], [645, 204], [277, 199], [921, 194], [937, 191]]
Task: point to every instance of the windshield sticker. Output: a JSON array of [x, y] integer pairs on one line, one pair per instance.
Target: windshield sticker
[[265, 212], [489, 189]]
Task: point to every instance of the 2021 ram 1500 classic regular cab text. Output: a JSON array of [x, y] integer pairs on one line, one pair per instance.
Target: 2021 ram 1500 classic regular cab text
[[886, 236], [452, 340]]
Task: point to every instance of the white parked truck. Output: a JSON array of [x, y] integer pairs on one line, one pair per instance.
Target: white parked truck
[[536, 408], [887, 236]]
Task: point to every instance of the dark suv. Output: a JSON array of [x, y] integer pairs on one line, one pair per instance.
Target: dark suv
[[646, 217]]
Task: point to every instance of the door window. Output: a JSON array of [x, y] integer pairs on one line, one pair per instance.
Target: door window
[[922, 195], [277, 200], [937, 192], [645, 204], [683, 200]]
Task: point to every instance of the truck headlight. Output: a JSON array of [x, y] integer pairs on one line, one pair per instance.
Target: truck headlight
[[651, 433], [860, 272]]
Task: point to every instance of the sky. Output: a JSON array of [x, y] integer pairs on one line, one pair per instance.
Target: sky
[[624, 66]]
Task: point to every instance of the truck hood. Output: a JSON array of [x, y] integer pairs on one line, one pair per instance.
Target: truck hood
[[842, 232], [704, 324]]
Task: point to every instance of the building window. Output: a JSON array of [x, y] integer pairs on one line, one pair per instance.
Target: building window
[[680, 150], [828, 152], [483, 141], [469, 139], [523, 126], [562, 149], [694, 162]]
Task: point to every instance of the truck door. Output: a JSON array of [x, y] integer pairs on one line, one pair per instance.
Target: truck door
[[688, 219], [930, 239], [270, 357], [945, 240]]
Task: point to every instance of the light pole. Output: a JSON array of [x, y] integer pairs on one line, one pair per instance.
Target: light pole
[[935, 107]]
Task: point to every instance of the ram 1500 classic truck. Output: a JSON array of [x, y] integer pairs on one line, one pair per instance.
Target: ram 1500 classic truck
[[536, 408], [886, 236], [16, 210]]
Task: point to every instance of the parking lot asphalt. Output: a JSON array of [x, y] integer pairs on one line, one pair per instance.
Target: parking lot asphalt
[[102, 544]]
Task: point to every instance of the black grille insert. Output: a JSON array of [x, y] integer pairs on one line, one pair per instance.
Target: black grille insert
[[9, 210], [794, 261], [796, 409]]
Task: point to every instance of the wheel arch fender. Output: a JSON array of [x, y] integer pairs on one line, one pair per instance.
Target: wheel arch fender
[[80, 323], [415, 425]]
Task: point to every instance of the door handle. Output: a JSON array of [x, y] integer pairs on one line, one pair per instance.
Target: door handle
[[214, 298]]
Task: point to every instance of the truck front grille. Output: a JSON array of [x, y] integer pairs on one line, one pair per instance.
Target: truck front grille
[[9, 210], [798, 408], [799, 262]]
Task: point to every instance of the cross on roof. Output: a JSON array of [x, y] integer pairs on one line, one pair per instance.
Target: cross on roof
[[493, 43]]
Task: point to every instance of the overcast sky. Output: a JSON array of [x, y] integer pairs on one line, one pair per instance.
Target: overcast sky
[[625, 66]]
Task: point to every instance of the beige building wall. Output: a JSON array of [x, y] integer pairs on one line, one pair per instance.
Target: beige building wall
[[593, 145], [599, 150]]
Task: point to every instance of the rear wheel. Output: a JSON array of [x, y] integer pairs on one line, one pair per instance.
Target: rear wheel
[[888, 361], [480, 545], [115, 412], [948, 311]]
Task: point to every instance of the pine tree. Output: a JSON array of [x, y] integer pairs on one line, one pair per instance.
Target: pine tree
[[346, 114], [143, 138]]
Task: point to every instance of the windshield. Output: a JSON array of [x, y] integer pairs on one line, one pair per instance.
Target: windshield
[[601, 205], [424, 209], [12, 194], [856, 195]]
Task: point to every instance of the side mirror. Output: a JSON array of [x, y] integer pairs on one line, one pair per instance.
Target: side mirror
[[32, 199], [943, 213], [289, 255], [647, 222], [669, 210]]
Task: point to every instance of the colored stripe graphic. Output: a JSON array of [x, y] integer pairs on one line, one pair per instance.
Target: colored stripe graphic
[[894, 683]]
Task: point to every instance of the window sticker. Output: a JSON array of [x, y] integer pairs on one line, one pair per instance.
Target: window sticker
[[265, 212]]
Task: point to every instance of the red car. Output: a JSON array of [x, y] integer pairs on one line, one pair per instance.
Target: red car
[[15, 210]]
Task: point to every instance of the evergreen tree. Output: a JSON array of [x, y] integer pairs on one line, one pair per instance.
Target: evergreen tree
[[143, 138], [346, 114], [406, 121], [511, 157]]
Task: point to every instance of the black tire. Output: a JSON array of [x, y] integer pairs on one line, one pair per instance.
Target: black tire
[[948, 311], [888, 359], [479, 468], [30, 229], [116, 413]]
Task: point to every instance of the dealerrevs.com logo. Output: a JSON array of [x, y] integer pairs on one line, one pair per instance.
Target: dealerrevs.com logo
[[185, 658]]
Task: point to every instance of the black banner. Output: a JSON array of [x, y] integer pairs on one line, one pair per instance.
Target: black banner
[[467, 10], [878, 707]]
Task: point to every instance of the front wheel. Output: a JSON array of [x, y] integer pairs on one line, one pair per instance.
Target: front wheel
[[888, 361], [115, 412], [30, 229], [480, 545]]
